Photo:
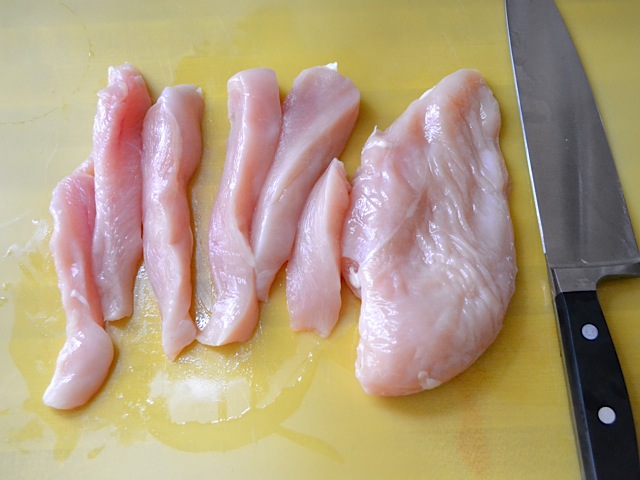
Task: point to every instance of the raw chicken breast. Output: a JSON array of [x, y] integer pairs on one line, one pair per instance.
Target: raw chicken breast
[[171, 153], [428, 241], [117, 145], [256, 118], [318, 116], [84, 361], [313, 271]]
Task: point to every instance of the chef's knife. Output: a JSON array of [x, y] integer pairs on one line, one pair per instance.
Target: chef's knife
[[585, 228]]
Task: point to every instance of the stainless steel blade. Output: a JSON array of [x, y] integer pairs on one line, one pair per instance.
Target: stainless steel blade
[[581, 209]]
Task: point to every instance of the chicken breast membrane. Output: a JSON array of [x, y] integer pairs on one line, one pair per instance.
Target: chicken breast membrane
[[428, 241]]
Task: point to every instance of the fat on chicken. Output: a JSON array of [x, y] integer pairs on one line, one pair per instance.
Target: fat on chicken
[[256, 118], [84, 361], [171, 153], [313, 271], [428, 241], [319, 114], [115, 159]]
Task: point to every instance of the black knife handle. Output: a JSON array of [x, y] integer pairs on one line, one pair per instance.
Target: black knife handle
[[602, 414]]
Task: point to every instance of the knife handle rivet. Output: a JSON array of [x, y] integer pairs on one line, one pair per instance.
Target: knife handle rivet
[[607, 415], [590, 331]]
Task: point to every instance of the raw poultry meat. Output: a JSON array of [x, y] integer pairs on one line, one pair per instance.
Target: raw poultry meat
[[84, 361], [428, 241], [171, 153], [256, 118], [319, 114], [313, 271], [117, 145]]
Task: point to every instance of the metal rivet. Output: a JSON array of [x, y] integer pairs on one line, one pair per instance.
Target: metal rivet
[[607, 415], [590, 331]]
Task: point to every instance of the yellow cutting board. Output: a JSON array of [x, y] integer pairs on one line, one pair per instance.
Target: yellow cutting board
[[283, 405]]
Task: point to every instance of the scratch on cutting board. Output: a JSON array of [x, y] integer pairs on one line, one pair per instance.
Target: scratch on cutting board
[[472, 440], [91, 53], [68, 8], [11, 222], [31, 119], [450, 45], [168, 70], [312, 443], [223, 28], [50, 159], [80, 82]]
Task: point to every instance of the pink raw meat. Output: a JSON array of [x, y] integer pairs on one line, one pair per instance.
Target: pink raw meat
[[172, 151], [428, 241], [319, 114], [117, 145], [84, 361], [255, 116], [313, 271]]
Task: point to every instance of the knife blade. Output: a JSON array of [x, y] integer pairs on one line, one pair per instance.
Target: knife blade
[[584, 224]]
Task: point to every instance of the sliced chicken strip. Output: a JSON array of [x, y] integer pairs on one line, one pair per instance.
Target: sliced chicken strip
[[84, 361], [172, 151], [313, 271], [256, 118], [117, 147], [319, 114]]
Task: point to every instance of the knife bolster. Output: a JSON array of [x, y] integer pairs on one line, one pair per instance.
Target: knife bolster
[[571, 279]]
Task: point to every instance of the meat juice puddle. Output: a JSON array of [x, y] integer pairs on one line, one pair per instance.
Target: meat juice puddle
[[209, 399]]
